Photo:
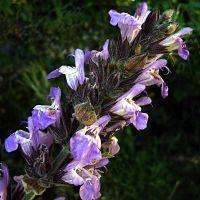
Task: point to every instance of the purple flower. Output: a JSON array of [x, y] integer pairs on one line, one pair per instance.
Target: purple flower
[[85, 149], [150, 76], [43, 115], [83, 171], [86, 143], [27, 140], [104, 54], [4, 181], [131, 110], [75, 76], [86, 176], [129, 25], [79, 173], [93, 130], [175, 41]]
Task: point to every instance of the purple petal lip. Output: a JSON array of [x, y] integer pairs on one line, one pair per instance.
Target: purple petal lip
[[143, 101], [16, 138], [90, 189], [183, 53], [115, 17], [43, 115], [141, 121], [54, 74]]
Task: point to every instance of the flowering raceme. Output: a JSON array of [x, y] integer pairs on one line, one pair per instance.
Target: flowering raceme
[[71, 140]]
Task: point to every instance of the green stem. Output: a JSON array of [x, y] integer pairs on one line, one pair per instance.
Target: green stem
[[59, 160]]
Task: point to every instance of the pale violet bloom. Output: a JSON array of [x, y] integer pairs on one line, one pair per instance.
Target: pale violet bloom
[[87, 158], [104, 54], [150, 76], [44, 115], [88, 136], [75, 76], [4, 181], [83, 172], [28, 141], [131, 110], [129, 25], [86, 176], [175, 41]]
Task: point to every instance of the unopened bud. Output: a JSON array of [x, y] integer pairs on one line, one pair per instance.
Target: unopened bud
[[172, 27], [168, 14]]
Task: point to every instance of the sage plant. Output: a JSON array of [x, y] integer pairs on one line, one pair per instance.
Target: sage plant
[[71, 140]]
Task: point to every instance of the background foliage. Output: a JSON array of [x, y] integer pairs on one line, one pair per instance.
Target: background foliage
[[161, 162]]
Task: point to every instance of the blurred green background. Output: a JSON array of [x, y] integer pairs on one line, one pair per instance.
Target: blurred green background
[[162, 162]]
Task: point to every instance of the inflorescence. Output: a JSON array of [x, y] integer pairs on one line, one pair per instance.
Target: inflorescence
[[107, 90]]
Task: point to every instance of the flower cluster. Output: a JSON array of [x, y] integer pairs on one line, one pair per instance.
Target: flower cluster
[[110, 96]]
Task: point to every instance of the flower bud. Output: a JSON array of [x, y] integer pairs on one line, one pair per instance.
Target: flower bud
[[85, 113], [168, 14], [172, 27]]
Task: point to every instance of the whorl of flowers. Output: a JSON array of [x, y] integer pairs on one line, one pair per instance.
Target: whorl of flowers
[[107, 91]]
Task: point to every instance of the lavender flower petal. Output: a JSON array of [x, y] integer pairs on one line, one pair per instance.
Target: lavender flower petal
[[143, 101], [90, 189], [4, 181], [71, 176], [79, 63], [184, 31], [140, 122], [44, 116], [16, 138], [54, 74], [83, 148], [129, 25], [104, 54], [134, 91]]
